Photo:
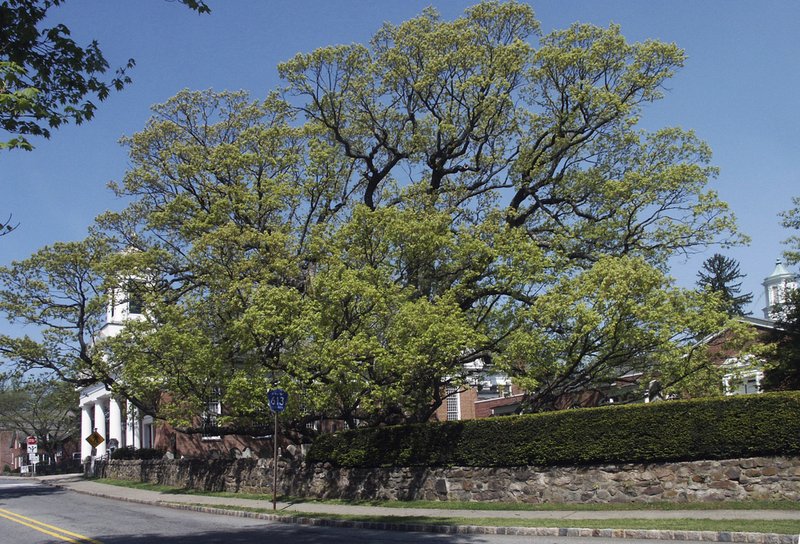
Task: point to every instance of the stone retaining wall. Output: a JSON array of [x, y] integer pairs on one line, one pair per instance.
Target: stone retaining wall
[[737, 479]]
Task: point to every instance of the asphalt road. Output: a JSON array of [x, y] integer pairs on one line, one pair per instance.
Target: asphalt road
[[33, 513]]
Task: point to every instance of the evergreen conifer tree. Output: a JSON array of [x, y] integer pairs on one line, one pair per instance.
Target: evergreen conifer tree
[[719, 274]]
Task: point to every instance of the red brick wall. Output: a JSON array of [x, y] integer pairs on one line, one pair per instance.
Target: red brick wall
[[194, 445], [467, 400], [484, 408], [10, 449]]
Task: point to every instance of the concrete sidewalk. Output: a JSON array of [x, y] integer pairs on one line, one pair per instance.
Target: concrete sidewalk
[[301, 512]]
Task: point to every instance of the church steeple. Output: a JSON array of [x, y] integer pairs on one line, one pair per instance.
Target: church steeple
[[775, 287], [123, 304]]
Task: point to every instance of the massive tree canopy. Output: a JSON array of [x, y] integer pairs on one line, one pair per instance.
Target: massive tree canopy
[[401, 215]]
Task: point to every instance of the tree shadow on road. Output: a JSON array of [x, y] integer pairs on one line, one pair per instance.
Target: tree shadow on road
[[281, 533], [27, 489]]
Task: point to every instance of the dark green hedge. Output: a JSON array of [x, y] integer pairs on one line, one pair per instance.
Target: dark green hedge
[[725, 428], [134, 453]]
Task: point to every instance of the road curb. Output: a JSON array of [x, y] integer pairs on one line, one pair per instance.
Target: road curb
[[641, 534]]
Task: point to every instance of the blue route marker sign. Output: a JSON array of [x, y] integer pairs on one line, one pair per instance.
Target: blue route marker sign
[[277, 400]]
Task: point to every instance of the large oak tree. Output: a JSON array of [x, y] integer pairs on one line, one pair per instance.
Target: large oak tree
[[401, 215]]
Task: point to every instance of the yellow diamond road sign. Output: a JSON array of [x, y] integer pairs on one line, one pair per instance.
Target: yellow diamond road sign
[[95, 439]]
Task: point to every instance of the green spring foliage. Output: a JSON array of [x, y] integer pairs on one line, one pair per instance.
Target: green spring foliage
[[453, 194], [719, 428]]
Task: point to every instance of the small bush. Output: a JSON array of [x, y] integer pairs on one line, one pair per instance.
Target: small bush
[[127, 452], [724, 428], [149, 453]]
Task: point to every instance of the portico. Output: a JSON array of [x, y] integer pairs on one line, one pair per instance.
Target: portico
[[102, 412]]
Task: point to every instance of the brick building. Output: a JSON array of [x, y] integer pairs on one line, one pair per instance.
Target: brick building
[[12, 450]]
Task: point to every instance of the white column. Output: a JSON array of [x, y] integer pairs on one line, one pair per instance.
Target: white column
[[115, 421], [86, 430], [100, 426], [130, 418], [134, 430]]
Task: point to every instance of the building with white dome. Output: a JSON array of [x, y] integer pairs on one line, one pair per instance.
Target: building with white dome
[[776, 287]]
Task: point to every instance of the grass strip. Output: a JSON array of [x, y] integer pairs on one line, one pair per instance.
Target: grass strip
[[582, 507], [789, 527], [477, 506]]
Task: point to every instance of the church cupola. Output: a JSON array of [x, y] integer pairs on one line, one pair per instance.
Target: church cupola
[[776, 285]]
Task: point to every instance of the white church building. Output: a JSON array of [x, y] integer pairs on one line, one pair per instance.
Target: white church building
[[115, 420]]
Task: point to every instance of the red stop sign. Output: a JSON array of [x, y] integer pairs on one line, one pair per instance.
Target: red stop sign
[[31, 440]]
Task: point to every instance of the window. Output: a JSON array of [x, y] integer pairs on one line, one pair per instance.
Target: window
[[751, 385], [135, 297], [745, 385], [211, 415], [453, 404], [148, 438]]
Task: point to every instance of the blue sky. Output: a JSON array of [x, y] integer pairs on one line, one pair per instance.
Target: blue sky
[[738, 91]]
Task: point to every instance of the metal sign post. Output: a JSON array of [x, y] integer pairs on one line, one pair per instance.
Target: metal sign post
[[33, 449], [277, 403], [275, 463]]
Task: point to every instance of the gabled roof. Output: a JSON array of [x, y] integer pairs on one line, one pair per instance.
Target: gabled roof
[[759, 323]]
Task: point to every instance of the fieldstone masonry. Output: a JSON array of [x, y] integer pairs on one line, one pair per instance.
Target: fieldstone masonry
[[735, 479]]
